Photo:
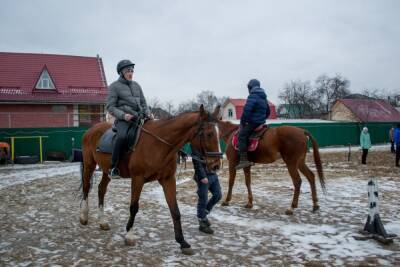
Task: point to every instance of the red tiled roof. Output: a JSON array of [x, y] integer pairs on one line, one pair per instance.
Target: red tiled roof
[[239, 104], [368, 110], [77, 79]]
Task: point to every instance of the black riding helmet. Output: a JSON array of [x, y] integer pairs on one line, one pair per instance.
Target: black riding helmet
[[123, 64]]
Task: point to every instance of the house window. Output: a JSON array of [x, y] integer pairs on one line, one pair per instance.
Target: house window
[[230, 113], [45, 81]]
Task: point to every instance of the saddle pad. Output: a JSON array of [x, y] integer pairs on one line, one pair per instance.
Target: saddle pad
[[107, 140], [253, 139], [253, 143]]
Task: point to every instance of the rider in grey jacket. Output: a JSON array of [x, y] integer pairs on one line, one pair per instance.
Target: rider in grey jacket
[[126, 103]]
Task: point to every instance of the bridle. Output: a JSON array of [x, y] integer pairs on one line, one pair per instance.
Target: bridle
[[200, 132]]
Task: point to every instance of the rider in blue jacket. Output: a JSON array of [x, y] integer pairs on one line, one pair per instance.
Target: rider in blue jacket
[[255, 113]]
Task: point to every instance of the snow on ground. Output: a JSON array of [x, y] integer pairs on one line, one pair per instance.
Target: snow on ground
[[19, 174], [40, 220], [382, 147]]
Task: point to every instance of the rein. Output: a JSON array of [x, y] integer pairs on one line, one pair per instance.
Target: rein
[[199, 132]]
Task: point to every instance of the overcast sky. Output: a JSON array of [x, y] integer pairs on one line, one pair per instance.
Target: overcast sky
[[183, 47]]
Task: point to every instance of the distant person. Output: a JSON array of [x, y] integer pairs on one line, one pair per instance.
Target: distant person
[[391, 139], [255, 112], [206, 180], [396, 138], [365, 143]]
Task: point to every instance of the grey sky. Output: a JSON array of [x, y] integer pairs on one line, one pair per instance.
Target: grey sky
[[183, 47]]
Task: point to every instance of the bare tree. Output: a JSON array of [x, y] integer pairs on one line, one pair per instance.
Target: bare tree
[[187, 106], [208, 99], [154, 103], [169, 107], [329, 89], [299, 98]]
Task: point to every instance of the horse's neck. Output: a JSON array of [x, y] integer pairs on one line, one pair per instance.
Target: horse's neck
[[227, 128], [179, 130]]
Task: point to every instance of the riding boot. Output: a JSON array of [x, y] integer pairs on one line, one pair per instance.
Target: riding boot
[[244, 162], [204, 226]]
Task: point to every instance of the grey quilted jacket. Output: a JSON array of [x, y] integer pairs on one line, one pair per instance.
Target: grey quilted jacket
[[126, 97]]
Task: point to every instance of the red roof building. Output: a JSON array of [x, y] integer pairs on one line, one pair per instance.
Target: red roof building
[[232, 109], [44, 90], [364, 110]]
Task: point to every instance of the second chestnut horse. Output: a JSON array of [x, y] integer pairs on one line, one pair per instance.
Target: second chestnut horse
[[286, 142]]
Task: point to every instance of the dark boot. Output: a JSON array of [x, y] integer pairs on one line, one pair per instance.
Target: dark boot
[[244, 162], [204, 226]]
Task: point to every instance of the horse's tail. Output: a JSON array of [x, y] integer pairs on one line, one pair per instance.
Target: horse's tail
[[317, 160]]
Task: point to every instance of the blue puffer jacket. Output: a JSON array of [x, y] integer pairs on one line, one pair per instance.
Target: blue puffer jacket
[[396, 136], [256, 110]]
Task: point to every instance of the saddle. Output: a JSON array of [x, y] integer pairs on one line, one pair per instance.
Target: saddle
[[107, 140], [254, 138]]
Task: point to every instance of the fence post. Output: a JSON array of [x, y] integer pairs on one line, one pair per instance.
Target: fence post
[[373, 228]]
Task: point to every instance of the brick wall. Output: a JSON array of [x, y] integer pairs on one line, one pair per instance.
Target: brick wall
[[341, 113], [29, 115]]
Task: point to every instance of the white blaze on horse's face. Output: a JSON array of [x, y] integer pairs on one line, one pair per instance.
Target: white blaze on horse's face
[[217, 131]]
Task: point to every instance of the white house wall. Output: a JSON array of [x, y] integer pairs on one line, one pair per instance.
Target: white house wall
[[225, 112]]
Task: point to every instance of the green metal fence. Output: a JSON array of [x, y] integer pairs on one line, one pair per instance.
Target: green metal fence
[[67, 138], [59, 139]]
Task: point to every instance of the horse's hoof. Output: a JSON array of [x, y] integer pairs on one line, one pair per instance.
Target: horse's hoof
[[83, 221], [315, 208], [289, 211], [130, 241], [225, 203], [187, 251], [248, 206], [104, 226]]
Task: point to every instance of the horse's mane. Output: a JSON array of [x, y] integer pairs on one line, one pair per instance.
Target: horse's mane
[[164, 121]]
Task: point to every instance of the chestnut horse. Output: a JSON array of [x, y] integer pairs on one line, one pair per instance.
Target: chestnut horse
[[154, 158], [286, 142]]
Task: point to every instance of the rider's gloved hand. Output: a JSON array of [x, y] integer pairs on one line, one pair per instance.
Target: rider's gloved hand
[[128, 117]]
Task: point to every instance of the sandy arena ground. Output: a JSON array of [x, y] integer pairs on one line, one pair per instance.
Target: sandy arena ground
[[39, 219]]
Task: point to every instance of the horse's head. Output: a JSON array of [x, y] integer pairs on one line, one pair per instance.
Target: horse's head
[[206, 139]]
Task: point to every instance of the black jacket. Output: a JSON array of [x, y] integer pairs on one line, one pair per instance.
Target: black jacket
[[200, 169]]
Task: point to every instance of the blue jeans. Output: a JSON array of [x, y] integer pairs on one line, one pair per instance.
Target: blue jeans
[[204, 206]]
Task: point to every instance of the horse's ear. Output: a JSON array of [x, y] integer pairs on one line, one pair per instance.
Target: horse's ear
[[216, 113], [203, 113]]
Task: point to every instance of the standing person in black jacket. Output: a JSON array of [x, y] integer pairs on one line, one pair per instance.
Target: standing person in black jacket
[[255, 113], [206, 181]]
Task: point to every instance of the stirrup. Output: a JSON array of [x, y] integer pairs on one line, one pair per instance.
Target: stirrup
[[244, 164]]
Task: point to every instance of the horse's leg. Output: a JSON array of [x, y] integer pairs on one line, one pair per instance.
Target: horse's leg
[[232, 176], [296, 179], [89, 165], [311, 179], [247, 175], [101, 192], [169, 187], [136, 190]]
